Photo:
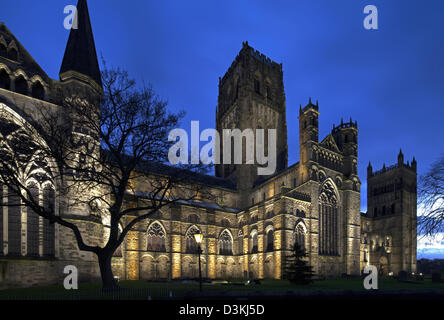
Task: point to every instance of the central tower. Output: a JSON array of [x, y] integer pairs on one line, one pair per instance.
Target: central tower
[[251, 96]]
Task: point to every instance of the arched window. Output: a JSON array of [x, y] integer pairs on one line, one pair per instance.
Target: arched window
[[22, 150], [225, 243], [21, 85], [33, 224], [156, 238], [48, 227], [5, 81], [191, 245], [254, 242], [328, 220], [299, 236], [269, 95], [14, 224], [257, 86], [270, 240], [355, 185], [240, 242], [3, 51], [236, 93], [38, 91], [13, 54]]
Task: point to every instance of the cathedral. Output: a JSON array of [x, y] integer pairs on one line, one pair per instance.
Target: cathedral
[[255, 221]]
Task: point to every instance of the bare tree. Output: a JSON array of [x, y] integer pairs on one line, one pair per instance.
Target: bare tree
[[109, 160], [431, 198]]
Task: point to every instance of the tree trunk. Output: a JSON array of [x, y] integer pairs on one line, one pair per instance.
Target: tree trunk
[[106, 272]]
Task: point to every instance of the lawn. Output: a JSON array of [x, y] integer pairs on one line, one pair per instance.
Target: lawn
[[144, 290]]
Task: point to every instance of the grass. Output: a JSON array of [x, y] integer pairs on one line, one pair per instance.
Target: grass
[[144, 290]]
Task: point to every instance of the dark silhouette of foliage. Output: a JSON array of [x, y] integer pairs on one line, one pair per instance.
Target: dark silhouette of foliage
[[431, 198], [297, 269]]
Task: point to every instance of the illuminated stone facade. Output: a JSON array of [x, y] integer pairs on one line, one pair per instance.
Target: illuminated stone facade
[[388, 237], [256, 220]]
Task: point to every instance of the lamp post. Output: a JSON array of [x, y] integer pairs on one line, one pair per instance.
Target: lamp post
[[199, 237]]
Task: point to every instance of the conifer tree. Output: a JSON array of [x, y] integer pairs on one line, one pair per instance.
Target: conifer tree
[[297, 269]]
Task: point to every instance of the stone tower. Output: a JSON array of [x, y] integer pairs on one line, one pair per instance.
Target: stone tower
[[251, 96], [390, 223], [80, 78], [308, 137]]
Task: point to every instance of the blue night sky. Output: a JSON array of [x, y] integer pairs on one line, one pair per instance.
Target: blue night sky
[[390, 80]]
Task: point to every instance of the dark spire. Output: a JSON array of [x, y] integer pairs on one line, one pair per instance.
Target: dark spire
[[414, 164], [400, 157], [80, 54]]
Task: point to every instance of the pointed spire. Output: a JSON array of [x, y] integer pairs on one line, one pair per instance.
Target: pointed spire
[[80, 54], [400, 158], [309, 100]]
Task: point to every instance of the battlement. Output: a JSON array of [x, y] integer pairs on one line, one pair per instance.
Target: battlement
[[261, 57], [344, 125], [385, 169], [310, 105], [246, 49]]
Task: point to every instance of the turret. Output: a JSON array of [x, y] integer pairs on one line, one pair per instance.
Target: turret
[[308, 135], [346, 137], [400, 158], [414, 164], [309, 122], [369, 170]]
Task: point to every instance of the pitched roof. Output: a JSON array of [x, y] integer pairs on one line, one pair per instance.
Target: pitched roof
[[25, 61], [80, 54], [156, 167]]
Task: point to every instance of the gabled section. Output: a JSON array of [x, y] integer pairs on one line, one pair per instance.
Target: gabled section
[[330, 144], [15, 56], [80, 54]]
